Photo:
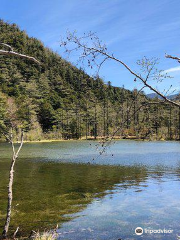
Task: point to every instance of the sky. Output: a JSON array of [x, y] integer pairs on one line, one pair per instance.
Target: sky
[[131, 29]]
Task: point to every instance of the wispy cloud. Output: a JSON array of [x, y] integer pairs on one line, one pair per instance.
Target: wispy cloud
[[131, 29], [175, 69]]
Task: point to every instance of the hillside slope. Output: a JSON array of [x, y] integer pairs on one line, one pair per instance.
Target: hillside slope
[[56, 93], [58, 100]]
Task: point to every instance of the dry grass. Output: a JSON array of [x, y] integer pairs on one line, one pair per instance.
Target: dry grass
[[46, 235]]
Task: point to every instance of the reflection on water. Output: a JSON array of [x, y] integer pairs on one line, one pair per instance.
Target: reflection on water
[[102, 199], [151, 206]]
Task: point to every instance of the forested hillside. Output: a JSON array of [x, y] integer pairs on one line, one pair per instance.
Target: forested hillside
[[58, 100]]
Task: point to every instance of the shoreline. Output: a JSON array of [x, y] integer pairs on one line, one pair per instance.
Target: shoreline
[[117, 138], [90, 139]]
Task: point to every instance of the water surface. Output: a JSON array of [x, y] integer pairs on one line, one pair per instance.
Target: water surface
[[136, 184]]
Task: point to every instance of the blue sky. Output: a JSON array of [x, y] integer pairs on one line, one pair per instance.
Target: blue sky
[[130, 28]]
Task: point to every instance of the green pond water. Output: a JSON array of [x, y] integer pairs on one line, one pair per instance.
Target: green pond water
[[135, 184]]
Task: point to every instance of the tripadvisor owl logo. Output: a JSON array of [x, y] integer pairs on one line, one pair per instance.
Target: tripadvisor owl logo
[[138, 231]]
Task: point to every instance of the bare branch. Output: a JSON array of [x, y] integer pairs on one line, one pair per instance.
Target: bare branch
[[15, 233], [176, 58], [21, 144], [12, 53], [7, 45], [12, 144], [94, 48]]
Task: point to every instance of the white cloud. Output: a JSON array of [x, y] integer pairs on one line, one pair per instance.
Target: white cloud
[[175, 69]]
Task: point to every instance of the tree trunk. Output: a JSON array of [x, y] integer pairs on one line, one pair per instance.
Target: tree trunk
[[10, 197], [11, 179]]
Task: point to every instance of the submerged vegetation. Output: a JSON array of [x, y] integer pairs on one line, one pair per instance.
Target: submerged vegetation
[[47, 193], [59, 101]]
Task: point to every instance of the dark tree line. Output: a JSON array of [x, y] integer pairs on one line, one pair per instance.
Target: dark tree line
[[58, 100]]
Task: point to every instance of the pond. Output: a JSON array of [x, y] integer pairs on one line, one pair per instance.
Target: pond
[[92, 196]]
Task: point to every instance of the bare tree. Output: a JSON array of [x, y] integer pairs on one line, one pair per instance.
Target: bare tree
[[93, 52], [7, 130], [11, 179]]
